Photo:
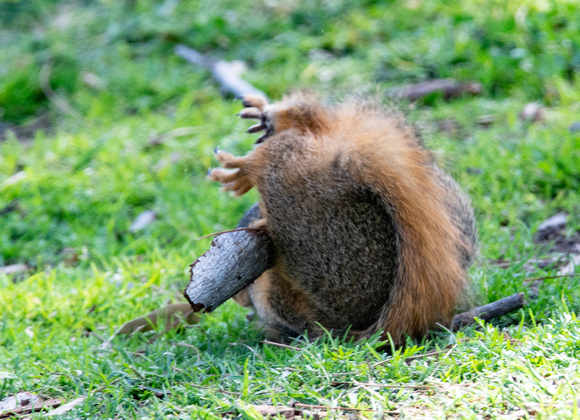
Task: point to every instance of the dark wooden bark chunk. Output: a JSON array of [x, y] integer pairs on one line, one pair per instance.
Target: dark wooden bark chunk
[[233, 262]]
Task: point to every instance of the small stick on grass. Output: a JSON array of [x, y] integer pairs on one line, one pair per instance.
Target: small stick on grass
[[419, 356], [207, 388], [324, 407], [370, 384], [286, 346], [327, 408], [551, 277], [490, 311]]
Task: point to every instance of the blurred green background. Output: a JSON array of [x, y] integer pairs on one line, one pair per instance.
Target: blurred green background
[[92, 91]]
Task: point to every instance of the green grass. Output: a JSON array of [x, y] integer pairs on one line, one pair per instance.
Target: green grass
[[80, 182]]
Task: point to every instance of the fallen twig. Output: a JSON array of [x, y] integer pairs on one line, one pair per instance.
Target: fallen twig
[[226, 73], [178, 132], [286, 346], [449, 88], [551, 277], [431, 353], [448, 350], [510, 303], [324, 407], [529, 264], [207, 388], [490, 311], [369, 384]]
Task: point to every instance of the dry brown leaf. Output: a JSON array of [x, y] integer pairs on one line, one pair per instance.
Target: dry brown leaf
[[170, 315]]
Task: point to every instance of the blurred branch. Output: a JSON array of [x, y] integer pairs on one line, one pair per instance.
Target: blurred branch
[[226, 73], [449, 88]]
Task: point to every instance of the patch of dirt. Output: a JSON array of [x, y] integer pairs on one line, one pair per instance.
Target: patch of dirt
[[552, 233]]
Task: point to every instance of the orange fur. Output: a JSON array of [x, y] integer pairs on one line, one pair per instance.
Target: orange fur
[[373, 149]]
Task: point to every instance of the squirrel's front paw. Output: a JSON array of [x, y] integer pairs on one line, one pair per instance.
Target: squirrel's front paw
[[234, 177], [227, 160], [255, 109]]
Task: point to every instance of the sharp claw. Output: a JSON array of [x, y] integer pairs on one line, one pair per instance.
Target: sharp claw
[[261, 138], [256, 128], [216, 150], [209, 171], [247, 103], [250, 113]]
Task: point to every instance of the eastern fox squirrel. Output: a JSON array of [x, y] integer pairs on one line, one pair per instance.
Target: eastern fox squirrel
[[369, 234]]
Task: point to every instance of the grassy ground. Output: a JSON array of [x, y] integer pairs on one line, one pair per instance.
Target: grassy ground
[[75, 174]]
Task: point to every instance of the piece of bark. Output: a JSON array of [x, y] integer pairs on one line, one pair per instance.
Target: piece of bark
[[449, 88], [233, 262], [226, 73], [169, 315]]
